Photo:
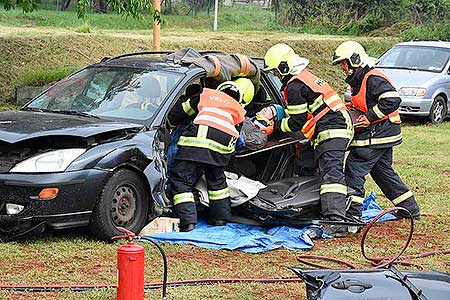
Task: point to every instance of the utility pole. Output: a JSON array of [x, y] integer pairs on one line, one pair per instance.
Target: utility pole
[[216, 12], [157, 26]]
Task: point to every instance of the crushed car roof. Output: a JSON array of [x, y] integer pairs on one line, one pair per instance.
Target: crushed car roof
[[146, 59]]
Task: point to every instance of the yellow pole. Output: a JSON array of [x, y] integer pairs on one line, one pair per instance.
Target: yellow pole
[[156, 27]]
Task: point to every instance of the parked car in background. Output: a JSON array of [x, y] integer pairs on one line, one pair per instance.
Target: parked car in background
[[420, 71]]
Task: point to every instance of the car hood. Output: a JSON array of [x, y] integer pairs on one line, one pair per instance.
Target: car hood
[[408, 78], [16, 126]]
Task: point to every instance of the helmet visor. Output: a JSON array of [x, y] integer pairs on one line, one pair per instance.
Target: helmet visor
[[336, 59], [267, 68]]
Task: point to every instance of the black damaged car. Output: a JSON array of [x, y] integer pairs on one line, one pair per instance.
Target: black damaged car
[[91, 149]]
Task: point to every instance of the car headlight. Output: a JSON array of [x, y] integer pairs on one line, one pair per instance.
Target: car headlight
[[406, 91], [54, 161]]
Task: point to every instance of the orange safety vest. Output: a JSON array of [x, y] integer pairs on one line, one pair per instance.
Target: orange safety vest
[[329, 97], [218, 110], [359, 100]]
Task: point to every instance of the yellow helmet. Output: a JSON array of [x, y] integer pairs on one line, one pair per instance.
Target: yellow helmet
[[242, 89], [280, 57], [352, 51]]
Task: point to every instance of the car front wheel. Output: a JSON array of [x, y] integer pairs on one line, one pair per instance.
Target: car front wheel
[[438, 110], [123, 202]]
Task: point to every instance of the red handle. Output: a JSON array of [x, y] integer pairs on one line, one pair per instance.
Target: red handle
[[128, 234]]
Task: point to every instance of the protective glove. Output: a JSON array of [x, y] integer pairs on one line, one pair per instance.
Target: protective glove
[[363, 121]]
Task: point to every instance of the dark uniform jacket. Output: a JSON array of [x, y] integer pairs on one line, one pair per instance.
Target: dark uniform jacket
[[299, 93], [379, 92], [183, 113]]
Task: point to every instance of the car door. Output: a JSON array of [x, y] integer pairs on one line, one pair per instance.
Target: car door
[[157, 171]]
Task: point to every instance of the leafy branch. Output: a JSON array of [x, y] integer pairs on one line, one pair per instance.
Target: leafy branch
[[133, 8]]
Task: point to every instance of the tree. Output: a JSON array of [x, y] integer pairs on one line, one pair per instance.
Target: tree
[[134, 8], [26, 5]]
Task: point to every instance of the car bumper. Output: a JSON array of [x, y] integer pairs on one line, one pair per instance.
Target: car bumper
[[415, 106], [71, 207]]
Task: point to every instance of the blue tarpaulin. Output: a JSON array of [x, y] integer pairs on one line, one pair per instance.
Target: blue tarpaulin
[[370, 209], [256, 239]]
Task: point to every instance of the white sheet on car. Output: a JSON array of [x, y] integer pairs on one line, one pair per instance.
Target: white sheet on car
[[241, 189]]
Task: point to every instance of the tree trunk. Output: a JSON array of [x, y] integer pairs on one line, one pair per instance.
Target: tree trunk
[[100, 6], [65, 4]]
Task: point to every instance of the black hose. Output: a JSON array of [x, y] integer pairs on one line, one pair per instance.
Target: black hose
[[48, 289], [164, 257], [150, 286]]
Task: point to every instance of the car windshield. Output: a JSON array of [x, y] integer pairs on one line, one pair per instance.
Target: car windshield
[[109, 92], [431, 59]]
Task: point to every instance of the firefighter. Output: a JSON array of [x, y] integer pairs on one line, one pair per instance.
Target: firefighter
[[371, 149], [205, 147], [185, 109], [329, 126]]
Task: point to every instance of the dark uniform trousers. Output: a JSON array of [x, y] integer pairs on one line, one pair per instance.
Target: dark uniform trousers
[[378, 162], [333, 190], [184, 175]]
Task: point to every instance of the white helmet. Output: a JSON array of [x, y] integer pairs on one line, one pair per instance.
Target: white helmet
[[351, 51]]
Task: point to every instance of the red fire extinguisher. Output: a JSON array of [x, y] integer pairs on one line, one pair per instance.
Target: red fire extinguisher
[[130, 268]]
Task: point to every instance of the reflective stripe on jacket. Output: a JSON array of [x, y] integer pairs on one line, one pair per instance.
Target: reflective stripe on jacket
[[220, 111], [201, 140], [328, 96], [359, 100]]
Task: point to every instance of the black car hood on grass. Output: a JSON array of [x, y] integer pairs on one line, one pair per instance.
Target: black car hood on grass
[[16, 126]]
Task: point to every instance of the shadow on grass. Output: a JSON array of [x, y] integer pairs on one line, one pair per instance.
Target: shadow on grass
[[79, 233]]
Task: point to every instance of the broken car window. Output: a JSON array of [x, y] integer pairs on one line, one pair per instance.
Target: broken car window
[[112, 92]]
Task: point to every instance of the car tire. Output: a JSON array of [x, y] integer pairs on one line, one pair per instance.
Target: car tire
[[438, 110], [123, 202]]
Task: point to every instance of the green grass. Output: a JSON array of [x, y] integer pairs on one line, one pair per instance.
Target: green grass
[[438, 31], [7, 106], [230, 19], [75, 258], [423, 162], [44, 76]]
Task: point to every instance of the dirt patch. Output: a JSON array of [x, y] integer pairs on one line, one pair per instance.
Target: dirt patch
[[236, 264]]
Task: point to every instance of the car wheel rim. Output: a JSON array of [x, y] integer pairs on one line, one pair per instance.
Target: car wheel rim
[[438, 111], [124, 206]]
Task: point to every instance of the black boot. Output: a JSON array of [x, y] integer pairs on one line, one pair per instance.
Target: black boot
[[187, 227], [335, 230], [411, 207], [354, 210], [215, 222]]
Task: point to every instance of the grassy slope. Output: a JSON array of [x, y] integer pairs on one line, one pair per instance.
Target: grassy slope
[[23, 49], [45, 40]]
